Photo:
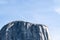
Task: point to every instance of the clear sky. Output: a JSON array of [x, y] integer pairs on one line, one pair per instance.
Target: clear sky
[[36, 11]]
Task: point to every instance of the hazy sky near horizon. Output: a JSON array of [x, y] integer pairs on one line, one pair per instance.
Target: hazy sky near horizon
[[35, 11]]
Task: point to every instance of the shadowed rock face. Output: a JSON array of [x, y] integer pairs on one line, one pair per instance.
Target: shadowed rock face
[[20, 30]]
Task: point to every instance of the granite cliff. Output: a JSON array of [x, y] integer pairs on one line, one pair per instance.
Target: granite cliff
[[20, 30]]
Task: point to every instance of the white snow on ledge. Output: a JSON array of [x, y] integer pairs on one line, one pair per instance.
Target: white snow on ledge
[[9, 26]]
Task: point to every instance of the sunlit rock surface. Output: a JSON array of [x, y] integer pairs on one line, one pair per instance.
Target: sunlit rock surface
[[20, 30]]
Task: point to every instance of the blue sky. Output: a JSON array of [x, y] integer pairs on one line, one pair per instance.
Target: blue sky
[[35, 11]]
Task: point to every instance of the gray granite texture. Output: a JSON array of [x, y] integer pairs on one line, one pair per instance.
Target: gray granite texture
[[20, 30]]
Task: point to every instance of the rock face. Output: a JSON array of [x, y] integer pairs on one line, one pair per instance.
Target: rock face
[[20, 30]]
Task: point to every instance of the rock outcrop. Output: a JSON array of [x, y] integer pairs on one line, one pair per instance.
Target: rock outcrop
[[20, 30]]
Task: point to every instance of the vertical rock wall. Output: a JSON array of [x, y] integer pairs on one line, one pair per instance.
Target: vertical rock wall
[[20, 30]]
